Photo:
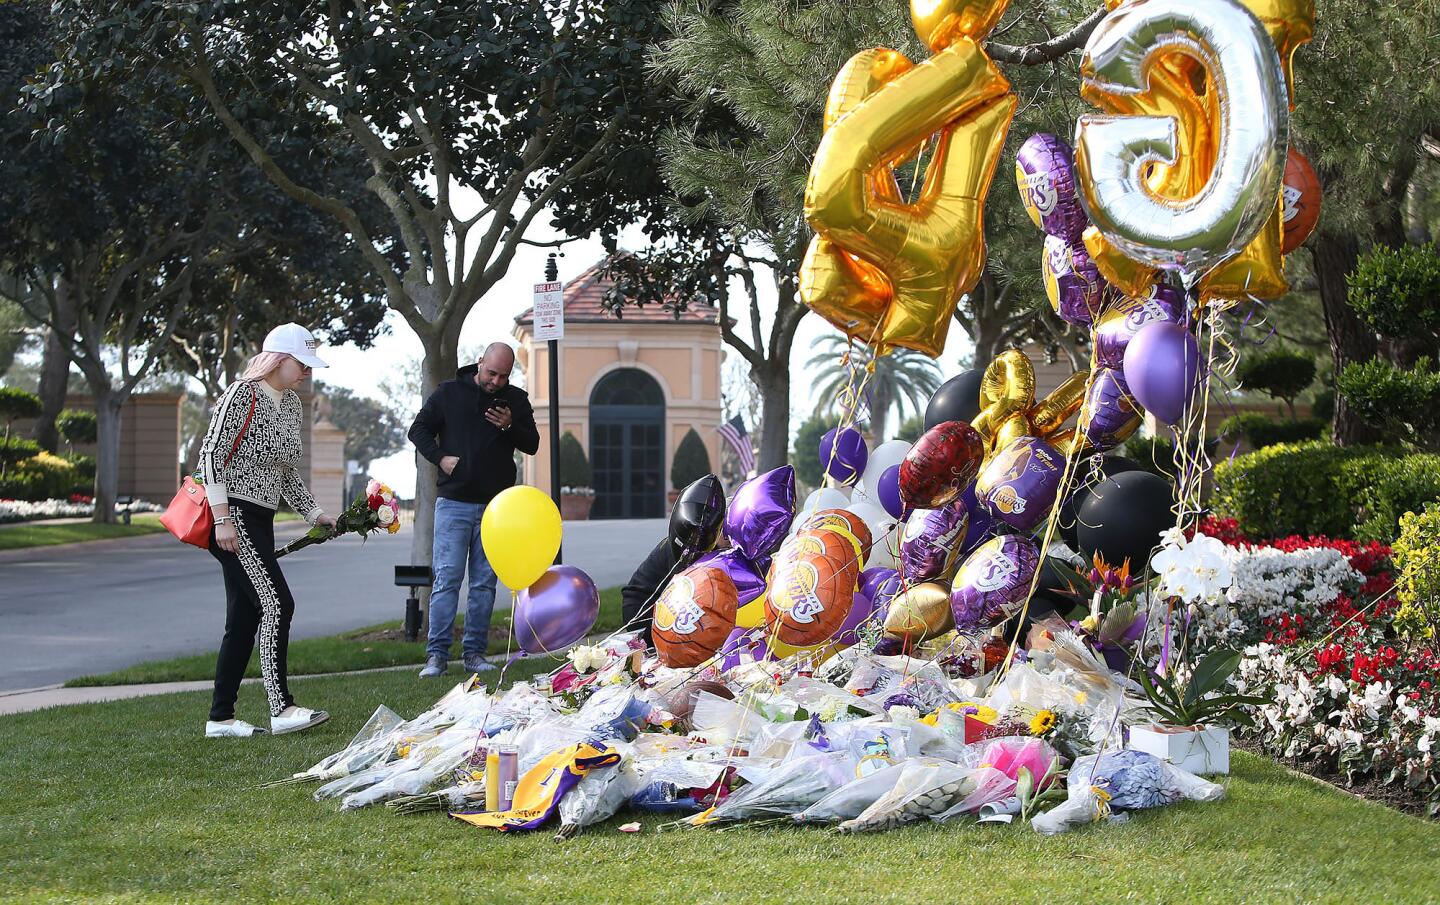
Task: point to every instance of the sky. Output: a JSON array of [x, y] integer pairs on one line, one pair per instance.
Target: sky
[[493, 318]]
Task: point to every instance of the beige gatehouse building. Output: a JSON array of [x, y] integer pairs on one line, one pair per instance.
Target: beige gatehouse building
[[630, 389]]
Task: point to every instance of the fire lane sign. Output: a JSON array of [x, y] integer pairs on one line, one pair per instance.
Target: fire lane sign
[[549, 312]]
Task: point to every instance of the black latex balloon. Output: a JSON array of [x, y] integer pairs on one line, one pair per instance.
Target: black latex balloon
[[958, 399], [1122, 518], [698, 514], [1069, 522]]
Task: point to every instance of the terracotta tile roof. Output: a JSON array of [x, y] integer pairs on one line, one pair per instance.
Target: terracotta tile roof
[[584, 295]]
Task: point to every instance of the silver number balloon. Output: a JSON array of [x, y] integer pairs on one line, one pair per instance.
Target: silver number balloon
[[1193, 234]]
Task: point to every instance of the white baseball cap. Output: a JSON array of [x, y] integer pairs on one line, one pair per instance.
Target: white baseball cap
[[295, 341]]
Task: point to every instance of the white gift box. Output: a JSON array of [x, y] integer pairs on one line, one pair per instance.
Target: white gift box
[[1194, 749]]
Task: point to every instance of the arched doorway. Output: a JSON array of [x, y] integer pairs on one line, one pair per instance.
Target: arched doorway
[[627, 445]]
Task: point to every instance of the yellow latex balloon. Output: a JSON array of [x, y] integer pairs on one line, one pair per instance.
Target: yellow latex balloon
[[751, 614], [920, 612], [931, 251], [1132, 278], [781, 649], [521, 533]]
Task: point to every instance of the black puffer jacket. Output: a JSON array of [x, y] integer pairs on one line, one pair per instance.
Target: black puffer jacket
[[453, 423]]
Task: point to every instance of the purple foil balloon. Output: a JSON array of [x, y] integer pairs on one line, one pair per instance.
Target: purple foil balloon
[[1073, 283], [1045, 175], [760, 513], [981, 521], [743, 645], [994, 582], [1124, 318], [931, 542], [843, 455], [1020, 482], [1110, 414], [556, 611], [1162, 368], [889, 487], [877, 587], [749, 578]]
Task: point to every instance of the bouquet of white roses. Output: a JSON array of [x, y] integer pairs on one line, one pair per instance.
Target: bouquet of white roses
[[376, 509]]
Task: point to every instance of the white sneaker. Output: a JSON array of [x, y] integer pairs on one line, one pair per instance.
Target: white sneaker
[[233, 729], [299, 720]]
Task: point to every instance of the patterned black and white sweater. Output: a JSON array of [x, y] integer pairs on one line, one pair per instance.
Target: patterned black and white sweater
[[264, 465]]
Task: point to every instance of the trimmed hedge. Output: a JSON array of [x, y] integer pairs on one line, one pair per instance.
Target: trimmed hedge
[[691, 463], [574, 466], [1318, 488], [41, 477], [1261, 431]]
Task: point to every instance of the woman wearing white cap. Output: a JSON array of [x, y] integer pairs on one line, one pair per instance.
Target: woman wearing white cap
[[248, 461]]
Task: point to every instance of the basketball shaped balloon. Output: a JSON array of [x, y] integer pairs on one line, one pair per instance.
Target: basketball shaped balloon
[[834, 541], [1301, 195], [694, 616], [828, 519], [940, 465], [810, 596]]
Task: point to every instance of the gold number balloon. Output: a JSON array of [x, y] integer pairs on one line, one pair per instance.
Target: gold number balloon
[[1008, 408], [930, 251]]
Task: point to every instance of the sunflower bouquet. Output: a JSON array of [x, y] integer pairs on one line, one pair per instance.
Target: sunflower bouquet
[[374, 509]]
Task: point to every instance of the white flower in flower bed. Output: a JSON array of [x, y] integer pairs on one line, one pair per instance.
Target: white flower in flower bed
[[1266, 583], [35, 510]]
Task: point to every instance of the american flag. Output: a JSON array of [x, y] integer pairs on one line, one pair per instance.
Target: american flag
[[734, 433]]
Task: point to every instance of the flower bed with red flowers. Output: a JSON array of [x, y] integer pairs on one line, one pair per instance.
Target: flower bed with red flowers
[[1354, 698]]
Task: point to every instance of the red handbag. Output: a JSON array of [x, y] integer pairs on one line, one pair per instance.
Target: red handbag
[[188, 516]]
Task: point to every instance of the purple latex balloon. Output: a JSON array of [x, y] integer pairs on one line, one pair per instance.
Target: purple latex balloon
[[556, 611], [1162, 368], [931, 542], [1045, 175], [843, 455], [994, 582], [981, 521], [1124, 318], [760, 513], [889, 487], [1109, 411], [877, 587], [1019, 483], [1073, 283], [749, 578]]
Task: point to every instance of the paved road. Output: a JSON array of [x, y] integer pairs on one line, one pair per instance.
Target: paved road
[[86, 608]]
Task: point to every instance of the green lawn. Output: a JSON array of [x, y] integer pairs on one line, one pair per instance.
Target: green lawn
[[40, 534], [126, 802], [360, 649]]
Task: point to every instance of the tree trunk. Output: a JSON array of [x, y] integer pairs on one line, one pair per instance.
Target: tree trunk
[[438, 366], [107, 454], [1351, 340], [55, 371], [774, 384]]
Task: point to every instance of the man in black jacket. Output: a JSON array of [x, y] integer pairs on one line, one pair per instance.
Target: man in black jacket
[[637, 598], [470, 428]]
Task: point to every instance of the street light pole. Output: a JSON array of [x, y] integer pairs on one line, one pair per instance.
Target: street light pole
[[552, 275]]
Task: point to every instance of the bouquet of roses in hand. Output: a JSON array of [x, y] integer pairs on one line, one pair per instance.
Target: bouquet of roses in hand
[[376, 509]]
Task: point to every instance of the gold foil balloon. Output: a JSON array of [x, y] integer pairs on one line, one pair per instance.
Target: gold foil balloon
[[919, 613], [932, 250], [1289, 23], [1055, 409], [1007, 391], [1132, 278]]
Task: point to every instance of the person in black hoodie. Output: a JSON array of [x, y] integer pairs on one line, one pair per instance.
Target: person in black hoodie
[[470, 428]]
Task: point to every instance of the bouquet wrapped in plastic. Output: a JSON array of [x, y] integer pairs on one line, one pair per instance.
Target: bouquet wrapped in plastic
[[374, 509], [1102, 785]]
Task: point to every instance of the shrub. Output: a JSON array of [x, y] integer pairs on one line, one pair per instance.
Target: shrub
[[1403, 403], [16, 403], [1279, 372], [42, 476], [1417, 559], [574, 466], [1261, 431], [84, 467], [22, 485], [16, 449], [1323, 406], [77, 426], [692, 461], [1153, 454], [1394, 289], [1317, 488]]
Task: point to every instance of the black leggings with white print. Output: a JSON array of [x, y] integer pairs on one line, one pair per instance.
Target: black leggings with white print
[[257, 599]]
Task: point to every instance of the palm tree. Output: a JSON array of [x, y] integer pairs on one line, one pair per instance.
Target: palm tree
[[904, 379]]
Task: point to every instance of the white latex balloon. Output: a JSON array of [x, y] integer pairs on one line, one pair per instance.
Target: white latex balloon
[[886, 455], [884, 537], [824, 498]]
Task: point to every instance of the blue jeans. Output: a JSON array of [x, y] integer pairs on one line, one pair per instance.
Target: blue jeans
[[457, 535]]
